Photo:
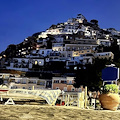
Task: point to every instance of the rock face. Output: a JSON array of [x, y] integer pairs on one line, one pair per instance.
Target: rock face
[[109, 101]]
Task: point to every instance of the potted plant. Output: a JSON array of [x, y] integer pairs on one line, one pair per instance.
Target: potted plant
[[109, 98]]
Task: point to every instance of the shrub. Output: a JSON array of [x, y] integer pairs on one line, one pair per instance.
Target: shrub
[[110, 88]]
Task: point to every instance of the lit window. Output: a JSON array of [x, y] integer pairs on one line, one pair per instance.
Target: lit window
[[36, 62]]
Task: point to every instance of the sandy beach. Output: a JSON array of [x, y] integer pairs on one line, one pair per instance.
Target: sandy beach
[[37, 112]]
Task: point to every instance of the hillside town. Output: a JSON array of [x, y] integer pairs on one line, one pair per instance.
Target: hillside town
[[49, 59]]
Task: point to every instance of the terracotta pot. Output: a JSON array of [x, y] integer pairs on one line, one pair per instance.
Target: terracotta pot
[[109, 101]]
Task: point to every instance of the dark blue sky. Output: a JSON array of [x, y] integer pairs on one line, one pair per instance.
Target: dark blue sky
[[21, 18]]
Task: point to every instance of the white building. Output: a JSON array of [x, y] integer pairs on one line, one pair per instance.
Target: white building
[[104, 42], [27, 83], [54, 56], [87, 58], [77, 47], [57, 46], [24, 64], [103, 55], [43, 35], [54, 31], [80, 18], [6, 76], [58, 39], [42, 52]]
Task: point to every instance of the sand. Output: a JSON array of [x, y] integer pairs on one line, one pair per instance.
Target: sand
[[37, 112]]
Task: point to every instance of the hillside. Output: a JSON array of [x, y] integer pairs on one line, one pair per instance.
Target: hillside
[[75, 27], [70, 48]]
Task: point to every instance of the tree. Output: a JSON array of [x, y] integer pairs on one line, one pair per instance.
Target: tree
[[49, 41], [94, 22], [90, 75]]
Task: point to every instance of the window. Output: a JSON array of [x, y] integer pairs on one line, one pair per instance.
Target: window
[[72, 89], [40, 62], [69, 55], [80, 90], [42, 52], [59, 49], [56, 58], [56, 81], [23, 61], [29, 88], [65, 88], [23, 82], [41, 83], [30, 81], [62, 81], [36, 62], [70, 82], [34, 82], [17, 81]]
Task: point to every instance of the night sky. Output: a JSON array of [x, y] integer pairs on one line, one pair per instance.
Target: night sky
[[22, 18]]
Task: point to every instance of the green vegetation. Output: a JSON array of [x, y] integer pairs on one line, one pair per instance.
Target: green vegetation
[[90, 75], [110, 88]]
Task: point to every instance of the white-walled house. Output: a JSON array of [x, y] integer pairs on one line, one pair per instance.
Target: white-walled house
[[54, 56], [57, 46], [80, 18], [27, 83], [21, 64], [87, 58], [44, 52], [24, 64], [104, 42], [15, 81], [43, 35], [54, 31], [81, 52], [71, 63], [59, 39], [104, 55], [6, 76], [40, 52], [86, 41], [77, 47]]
